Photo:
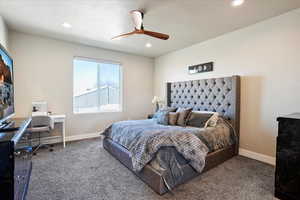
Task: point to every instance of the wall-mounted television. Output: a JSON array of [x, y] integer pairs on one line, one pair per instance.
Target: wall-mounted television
[[7, 108]]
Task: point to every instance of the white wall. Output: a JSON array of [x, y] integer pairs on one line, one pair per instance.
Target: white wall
[[43, 70], [3, 33], [267, 56]]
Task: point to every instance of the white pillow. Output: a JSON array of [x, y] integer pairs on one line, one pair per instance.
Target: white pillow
[[213, 120]]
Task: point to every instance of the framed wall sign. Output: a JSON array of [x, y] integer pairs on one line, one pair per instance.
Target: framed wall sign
[[200, 68]]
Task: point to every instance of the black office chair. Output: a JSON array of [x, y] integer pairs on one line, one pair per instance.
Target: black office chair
[[39, 125]]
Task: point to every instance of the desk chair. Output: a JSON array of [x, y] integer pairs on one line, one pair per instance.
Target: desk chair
[[40, 124]]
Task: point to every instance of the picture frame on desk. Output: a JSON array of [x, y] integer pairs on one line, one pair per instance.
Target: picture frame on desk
[[39, 108]]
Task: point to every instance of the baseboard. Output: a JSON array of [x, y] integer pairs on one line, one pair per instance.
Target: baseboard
[[257, 156], [58, 139], [82, 136]]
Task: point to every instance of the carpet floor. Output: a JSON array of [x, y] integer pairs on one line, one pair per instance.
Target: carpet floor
[[85, 171]]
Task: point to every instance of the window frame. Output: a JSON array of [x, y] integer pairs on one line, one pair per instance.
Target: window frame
[[120, 110]]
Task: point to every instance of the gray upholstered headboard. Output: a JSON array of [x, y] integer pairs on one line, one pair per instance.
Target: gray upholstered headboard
[[220, 95]]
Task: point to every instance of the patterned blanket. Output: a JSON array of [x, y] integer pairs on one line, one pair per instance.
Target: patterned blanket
[[144, 138]]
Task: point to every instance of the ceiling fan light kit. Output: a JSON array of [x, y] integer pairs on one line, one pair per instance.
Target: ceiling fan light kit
[[137, 17]]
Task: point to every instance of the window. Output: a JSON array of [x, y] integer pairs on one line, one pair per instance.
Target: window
[[97, 86]]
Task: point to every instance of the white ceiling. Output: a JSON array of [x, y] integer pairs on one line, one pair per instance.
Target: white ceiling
[[95, 22]]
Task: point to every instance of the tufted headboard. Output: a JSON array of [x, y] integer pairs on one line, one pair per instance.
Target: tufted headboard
[[220, 95]]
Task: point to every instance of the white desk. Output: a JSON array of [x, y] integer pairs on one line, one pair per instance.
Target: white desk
[[60, 119]]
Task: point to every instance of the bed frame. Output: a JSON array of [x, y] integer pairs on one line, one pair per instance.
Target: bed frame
[[220, 95]]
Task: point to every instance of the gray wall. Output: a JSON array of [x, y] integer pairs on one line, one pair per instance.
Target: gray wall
[[266, 55], [44, 71]]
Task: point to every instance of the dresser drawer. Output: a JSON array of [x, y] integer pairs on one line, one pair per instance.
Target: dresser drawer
[[284, 143], [289, 129]]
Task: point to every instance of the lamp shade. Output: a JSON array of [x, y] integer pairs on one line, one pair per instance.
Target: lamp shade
[[156, 99]]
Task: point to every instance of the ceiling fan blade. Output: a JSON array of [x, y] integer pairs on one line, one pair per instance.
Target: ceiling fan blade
[[137, 17], [157, 35], [123, 35]]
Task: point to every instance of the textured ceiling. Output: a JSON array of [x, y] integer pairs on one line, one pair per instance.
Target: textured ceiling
[[96, 21]]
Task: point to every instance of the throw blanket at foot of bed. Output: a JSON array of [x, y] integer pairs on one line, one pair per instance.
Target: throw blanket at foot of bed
[[144, 138]]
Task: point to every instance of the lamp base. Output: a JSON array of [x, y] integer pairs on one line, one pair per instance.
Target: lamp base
[[157, 107]]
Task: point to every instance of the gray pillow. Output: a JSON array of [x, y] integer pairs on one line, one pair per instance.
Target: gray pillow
[[173, 116], [198, 118], [167, 109], [183, 113], [162, 116]]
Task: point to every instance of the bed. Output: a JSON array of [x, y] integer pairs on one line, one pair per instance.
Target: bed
[[220, 95]]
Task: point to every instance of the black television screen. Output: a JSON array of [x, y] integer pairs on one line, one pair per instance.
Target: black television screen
[[6, 85]]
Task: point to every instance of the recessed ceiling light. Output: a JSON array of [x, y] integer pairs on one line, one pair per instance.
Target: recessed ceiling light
[[237, 2], [148, 45], [66, 25]]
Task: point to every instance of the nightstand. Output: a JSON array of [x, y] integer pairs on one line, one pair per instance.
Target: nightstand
[[150, 116]]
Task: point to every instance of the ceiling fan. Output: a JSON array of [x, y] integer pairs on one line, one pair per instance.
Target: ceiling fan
[[137, 17]]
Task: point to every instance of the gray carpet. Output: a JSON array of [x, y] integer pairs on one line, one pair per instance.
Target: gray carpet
[[85, 171]]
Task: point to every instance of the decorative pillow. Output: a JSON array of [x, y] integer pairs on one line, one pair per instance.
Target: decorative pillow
[[168, 109], [162, 116], [199, 119], [212, 122], [173, 116], [183, 113]]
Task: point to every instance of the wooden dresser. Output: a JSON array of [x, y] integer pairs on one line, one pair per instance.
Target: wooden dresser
[[287, 175]]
